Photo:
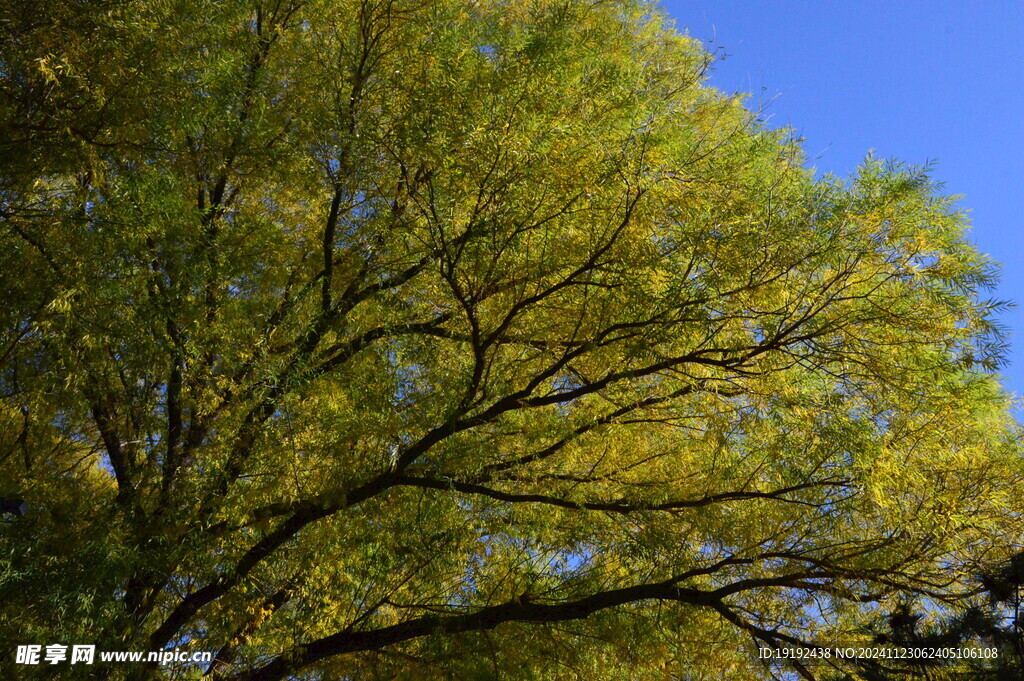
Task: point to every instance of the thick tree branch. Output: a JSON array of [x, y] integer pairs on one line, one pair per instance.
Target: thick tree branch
[[487, 618], [619, 506]]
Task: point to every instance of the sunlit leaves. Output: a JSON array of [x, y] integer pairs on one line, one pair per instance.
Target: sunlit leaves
[[403, 340]]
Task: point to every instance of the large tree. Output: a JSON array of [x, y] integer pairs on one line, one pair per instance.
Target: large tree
[[444, 339]]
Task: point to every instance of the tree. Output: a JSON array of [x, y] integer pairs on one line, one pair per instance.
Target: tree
[[990, 625], [373, 339]]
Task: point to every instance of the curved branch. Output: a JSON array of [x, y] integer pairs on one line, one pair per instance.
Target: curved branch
[[518, 610], [619, 506], [521, 609]]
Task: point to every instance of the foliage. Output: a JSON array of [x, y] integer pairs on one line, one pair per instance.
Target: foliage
[[989, 625], [372, 339]]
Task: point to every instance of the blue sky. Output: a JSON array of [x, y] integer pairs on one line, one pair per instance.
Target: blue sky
[[922, 81]]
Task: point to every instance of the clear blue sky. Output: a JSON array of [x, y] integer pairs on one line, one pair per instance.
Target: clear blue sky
[[918, 81]]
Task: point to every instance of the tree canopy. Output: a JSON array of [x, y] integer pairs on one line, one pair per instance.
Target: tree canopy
[[372, 339]]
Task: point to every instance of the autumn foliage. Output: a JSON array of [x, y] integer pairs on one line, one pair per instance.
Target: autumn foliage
[[465, 340]]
